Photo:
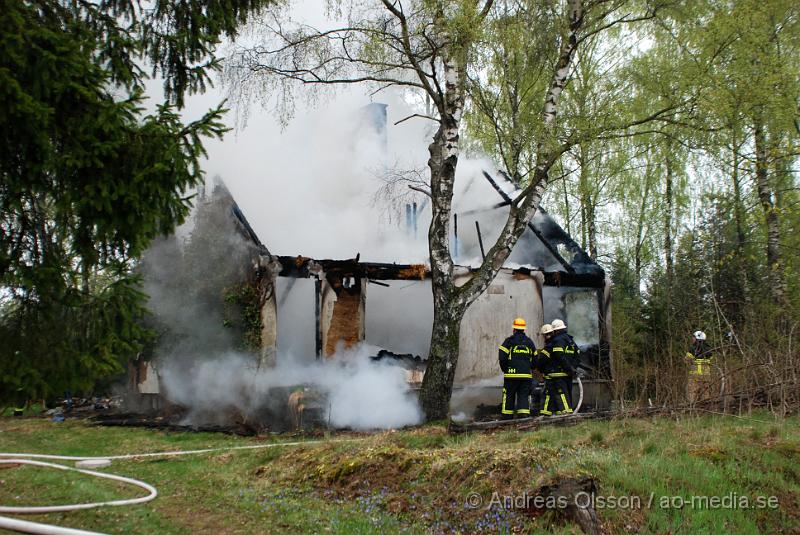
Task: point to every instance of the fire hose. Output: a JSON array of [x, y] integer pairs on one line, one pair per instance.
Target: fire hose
[[48, 529], [577, 405], [580, 395]]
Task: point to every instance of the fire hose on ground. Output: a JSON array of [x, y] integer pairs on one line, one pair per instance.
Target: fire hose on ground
[[30, 459]]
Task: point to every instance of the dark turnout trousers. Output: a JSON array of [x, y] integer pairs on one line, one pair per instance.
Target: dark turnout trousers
[[516, 397], [556, 399]]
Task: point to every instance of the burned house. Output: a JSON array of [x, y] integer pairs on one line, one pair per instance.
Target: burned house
[[389, 306], [311, 308]]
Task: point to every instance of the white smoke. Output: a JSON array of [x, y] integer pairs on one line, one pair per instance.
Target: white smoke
[[583, 318], [356, 392], [312, 188], [318, 188]]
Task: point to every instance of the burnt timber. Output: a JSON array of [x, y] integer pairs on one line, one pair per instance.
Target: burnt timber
[[304, 267]]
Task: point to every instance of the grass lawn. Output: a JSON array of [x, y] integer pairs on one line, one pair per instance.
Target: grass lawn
[[419, 480]]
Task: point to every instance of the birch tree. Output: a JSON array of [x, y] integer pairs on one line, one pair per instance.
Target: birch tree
[[768, 49], [599, 89], [433, 47], [596, 112]]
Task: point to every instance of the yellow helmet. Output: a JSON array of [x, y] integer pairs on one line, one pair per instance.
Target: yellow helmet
[[546, 329], [519, 324]]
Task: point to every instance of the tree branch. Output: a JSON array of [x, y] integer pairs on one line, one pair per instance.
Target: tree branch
[[421, 190], [412, 57], [485, 11], [524, 206], [421, 115]]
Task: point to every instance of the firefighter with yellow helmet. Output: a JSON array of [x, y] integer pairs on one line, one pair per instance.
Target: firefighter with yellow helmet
[[516, 361]]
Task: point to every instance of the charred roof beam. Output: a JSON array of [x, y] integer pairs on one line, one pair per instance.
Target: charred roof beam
[[303, 267], [545, 242]]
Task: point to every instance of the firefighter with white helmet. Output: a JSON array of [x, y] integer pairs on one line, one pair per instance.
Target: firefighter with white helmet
[[516, 361], [563, 342], [699, 359], [699, 335], [552, 362]]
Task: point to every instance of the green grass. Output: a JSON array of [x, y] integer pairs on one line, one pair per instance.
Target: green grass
[[416, 481]]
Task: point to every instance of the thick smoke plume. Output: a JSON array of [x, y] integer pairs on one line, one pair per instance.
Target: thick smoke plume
[[351, 390], [201, 355]]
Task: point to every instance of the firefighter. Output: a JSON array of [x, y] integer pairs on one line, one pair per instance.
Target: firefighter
[[556, 369], [699, 358], [516, 361], [563, 342]]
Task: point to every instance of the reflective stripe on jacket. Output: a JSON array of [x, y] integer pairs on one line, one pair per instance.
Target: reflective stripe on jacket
[[552, 362], [700, 358], [700, 366]]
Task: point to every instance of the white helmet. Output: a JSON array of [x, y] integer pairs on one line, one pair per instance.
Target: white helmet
[[558, 325], [546, 329], [699, 335]]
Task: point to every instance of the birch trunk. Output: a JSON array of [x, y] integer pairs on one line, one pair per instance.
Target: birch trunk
[[588, 217], [583, 190], [448, 306], [740, 236], [450, 302], [566, 207], [737, 200], [668, 215], [640, 231], [592, 230]]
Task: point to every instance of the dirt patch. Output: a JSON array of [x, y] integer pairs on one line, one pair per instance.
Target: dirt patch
[[195, 520], [10, 465]]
